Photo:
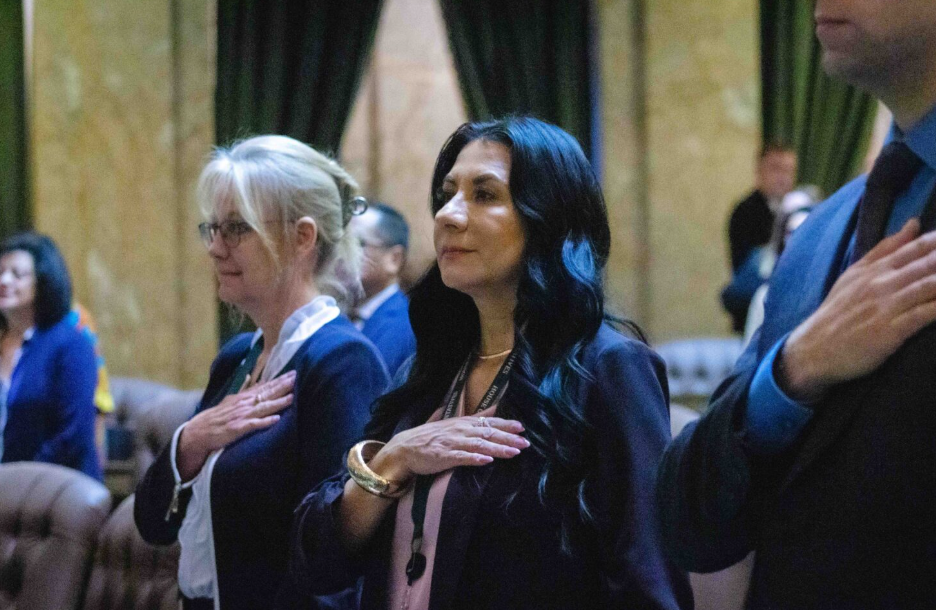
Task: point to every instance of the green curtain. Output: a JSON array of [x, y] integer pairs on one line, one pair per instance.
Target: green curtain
[[527, 57], [14, 195], [291, 67], [826, 121]]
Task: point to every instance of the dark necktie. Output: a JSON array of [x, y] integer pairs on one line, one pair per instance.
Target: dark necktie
[[891, 175]]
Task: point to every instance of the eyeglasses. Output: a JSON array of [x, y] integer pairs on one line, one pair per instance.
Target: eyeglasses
[[372, 244], [231, 232]]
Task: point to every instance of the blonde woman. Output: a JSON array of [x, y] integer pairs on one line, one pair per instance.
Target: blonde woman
[[283, 404]]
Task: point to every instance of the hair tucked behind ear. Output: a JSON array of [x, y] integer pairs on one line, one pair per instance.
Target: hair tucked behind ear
[[560, 307], [281, 179]]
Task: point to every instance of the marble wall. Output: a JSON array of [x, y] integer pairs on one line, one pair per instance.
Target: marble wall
[[682, 128], [121, 116], [408, 106]]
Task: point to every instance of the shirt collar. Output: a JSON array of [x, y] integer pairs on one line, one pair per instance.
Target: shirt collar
[[298, 327], [921, 138], [367, 309]]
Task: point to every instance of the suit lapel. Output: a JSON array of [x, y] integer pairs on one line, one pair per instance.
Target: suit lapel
[[459, 517]]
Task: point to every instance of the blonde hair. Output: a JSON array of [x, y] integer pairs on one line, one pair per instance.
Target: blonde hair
[[273, 181]]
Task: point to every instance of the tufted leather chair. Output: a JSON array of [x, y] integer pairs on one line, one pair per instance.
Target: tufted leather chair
[[695, 367], [152, 411], [49, 519], [129, 574]]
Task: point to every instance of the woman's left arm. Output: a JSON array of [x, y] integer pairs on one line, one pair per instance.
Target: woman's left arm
[[73, 396], [628, 406]]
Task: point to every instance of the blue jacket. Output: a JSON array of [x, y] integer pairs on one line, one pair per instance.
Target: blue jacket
[[261, 477], [498, 545], [389, 329], [50, 404]]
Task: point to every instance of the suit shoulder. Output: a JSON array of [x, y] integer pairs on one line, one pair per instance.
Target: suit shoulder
[[396, 305], [338, 335], [610, 343], [63, 335]]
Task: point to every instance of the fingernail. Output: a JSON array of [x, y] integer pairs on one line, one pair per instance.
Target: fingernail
[[526, 443], [513, 451]]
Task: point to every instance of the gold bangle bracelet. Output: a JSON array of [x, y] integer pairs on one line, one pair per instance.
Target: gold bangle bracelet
[[367, 479]]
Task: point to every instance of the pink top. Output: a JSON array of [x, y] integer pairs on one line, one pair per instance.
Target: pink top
[[402, 596]]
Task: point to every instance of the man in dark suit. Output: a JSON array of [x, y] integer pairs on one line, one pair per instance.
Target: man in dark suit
[[383, 317], [752, 222], [819, 452]]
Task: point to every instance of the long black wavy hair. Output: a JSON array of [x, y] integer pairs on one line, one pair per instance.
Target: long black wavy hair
[[560, 306]]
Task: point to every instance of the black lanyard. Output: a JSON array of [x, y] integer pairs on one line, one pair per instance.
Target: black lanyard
[[416, 566]]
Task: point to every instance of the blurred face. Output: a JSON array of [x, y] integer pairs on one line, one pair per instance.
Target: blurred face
[[381, 264], [870, 43], [479, 239], [17, 283], [777, 173], [247, 275]]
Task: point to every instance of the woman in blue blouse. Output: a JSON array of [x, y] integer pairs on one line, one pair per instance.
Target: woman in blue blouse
[[283, 404], [48, 370]]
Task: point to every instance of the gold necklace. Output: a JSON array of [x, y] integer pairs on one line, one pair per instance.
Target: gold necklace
[[497, 355]]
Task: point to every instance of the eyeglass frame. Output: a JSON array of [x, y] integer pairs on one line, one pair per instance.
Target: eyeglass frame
[[209, 230], [373, 244]]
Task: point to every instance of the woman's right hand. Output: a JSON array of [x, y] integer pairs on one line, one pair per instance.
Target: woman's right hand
[[442, 445], [235, 416]]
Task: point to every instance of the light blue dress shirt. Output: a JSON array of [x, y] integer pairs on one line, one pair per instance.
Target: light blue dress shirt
[[774, 421]]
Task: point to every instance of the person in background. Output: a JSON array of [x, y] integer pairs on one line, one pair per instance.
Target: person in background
[[383, 316], [283, 404], [513, 468], [795, 208], [48, 369], [752, 221]]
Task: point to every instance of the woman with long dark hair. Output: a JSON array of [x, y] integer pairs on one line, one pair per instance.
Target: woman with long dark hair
[[513, 467], [48, 370]]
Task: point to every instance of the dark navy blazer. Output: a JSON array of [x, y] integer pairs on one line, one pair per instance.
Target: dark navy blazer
[[389, 329], [845, 518], [50, 404], [260, 478], [498, 545]]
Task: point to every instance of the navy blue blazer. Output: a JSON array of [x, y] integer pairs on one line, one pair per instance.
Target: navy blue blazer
[[260, 478], [389, 329], [50, 404], [498, 545], [843, 519]]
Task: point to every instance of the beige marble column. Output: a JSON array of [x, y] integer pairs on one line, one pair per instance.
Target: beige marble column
[[409, 104], [680, 150], [121, 118]]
